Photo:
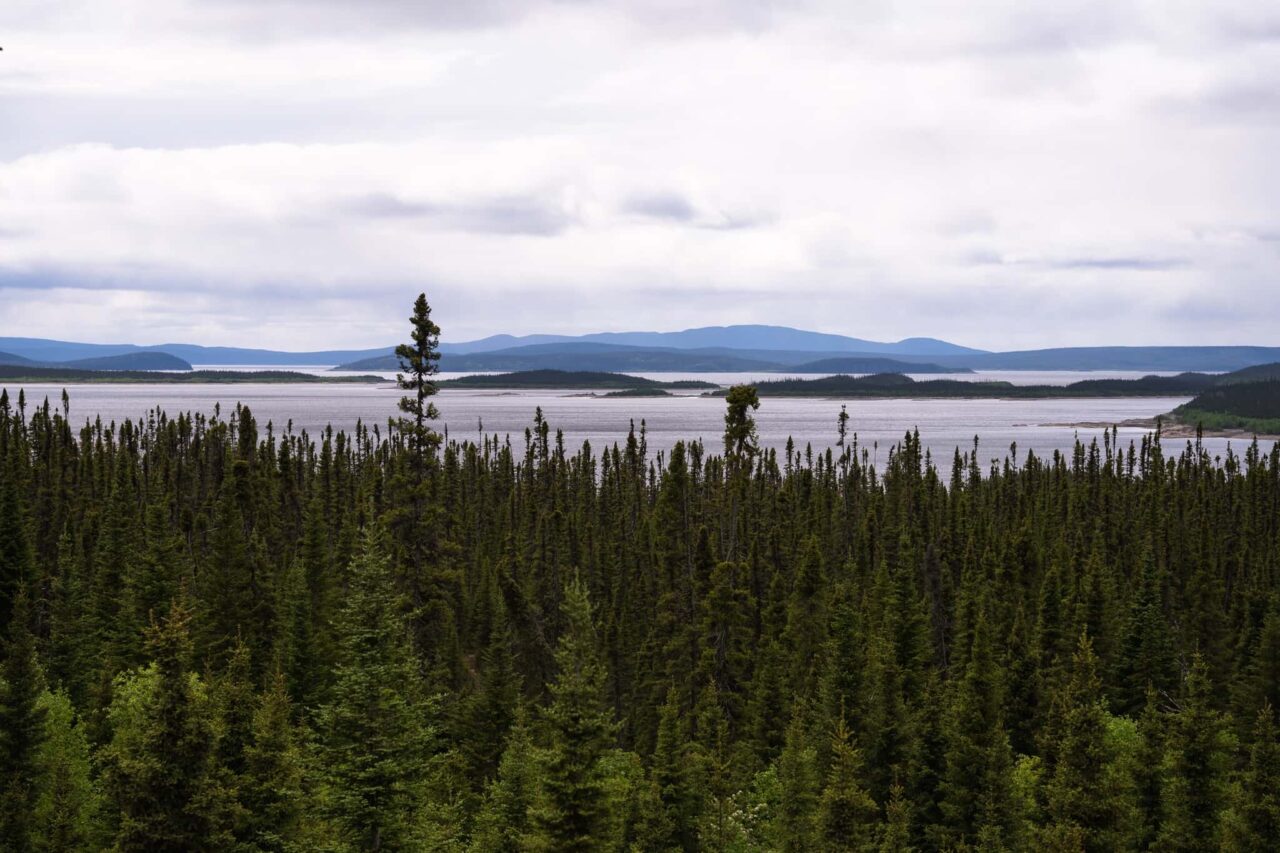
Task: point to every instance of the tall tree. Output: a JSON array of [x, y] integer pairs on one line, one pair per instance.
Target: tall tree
[[22, 731], [376, 732], [572, 808]]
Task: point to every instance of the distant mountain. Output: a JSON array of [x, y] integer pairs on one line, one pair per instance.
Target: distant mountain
[[146, 360], [1217, 358], [54, 352], [855, 364], [140, 360], [741, 337], [712, 348]]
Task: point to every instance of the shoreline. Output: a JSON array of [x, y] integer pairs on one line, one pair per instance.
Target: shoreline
[[1172, 429]]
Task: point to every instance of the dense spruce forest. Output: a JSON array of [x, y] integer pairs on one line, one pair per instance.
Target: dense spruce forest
[[225, 635]]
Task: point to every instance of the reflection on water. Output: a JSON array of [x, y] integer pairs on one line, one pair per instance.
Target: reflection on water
[[943, 424]]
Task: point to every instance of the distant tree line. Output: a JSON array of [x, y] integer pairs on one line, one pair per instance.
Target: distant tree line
[[222, 635]]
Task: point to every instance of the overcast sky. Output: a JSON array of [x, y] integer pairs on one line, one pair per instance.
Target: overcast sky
[[290, 173]]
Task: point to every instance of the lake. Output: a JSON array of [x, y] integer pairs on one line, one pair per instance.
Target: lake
[[943, 424]]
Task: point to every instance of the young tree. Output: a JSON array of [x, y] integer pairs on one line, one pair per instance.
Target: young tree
[[847, 816], [573, 804], [22, 731], [1078, 795], [1197, 760], [376, 731], [64, 817], [739, 425], [157, 768], [799, 787], [419, 361]]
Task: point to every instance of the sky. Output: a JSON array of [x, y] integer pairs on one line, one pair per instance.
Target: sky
[[291, 173]]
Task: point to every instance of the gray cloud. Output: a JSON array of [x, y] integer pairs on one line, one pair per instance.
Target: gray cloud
[[671, 206], [1135, 264], [887, 170], [511, 215]]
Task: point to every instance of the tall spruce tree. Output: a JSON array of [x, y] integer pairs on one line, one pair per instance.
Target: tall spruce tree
[[376, 732], [572, 806]]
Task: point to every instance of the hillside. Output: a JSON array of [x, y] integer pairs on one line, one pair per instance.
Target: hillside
[[856, 364], [897, 385], [570, 379], [24, 373], [140, 360], [1251, 406]]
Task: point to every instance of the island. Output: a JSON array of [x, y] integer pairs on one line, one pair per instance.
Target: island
[[899, 385], [575, 380], [1234, 408], [23, 373]]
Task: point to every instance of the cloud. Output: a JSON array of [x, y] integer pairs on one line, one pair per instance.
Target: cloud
[[998, 175], [514, 215], [660, 205]]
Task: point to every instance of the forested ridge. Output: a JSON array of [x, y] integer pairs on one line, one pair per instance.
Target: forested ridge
[[225, 635]]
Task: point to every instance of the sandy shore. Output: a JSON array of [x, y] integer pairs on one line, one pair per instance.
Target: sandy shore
[[1172, 429]]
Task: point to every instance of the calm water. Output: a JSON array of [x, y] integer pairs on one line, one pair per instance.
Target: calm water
[[944, 424]]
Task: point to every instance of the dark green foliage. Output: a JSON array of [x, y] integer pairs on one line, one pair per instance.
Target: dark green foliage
[[22, 731], [385, 640], [572, 810], [159, 765], [376, 732]]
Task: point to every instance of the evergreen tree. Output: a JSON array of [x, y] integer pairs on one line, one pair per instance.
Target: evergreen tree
[[158, 766], [1255, 822], [22, 731], [1195, 769], [1079, 798], [504, 822], [572, 808], [847, 816], [64, 818], [794, 827], [376, 732]]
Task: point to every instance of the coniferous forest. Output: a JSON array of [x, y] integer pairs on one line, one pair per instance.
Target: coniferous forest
[[224, 635]]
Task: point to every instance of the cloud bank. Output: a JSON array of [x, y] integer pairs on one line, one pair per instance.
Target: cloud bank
[[291, 173]]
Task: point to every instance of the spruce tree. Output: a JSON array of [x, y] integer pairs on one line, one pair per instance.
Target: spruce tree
[[22, 731], [572, 808], [158, 766], [1195, 769], [376, 732], [847, 816]]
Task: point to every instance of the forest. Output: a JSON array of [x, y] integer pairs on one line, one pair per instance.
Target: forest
[[224, 635]]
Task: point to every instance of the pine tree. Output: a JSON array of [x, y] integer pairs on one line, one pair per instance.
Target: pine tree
[[572, 807], [799, 787], [895, 834], [1079, 799], [158, 766], [504, 821], [16, 556], [22, 730], [976, 797], [376, 732], [672, 823], [1256, 816], [65, 812], [1195, 769], [847, 816], [272, 780]]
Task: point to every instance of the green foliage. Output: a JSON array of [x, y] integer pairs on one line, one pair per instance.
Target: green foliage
[[573, 806], [371, 644], [376, 733]]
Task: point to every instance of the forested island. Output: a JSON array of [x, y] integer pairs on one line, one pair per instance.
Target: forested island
[[1253, 406], [219, 635], [22, 373], [898, 385], [571, 380]]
